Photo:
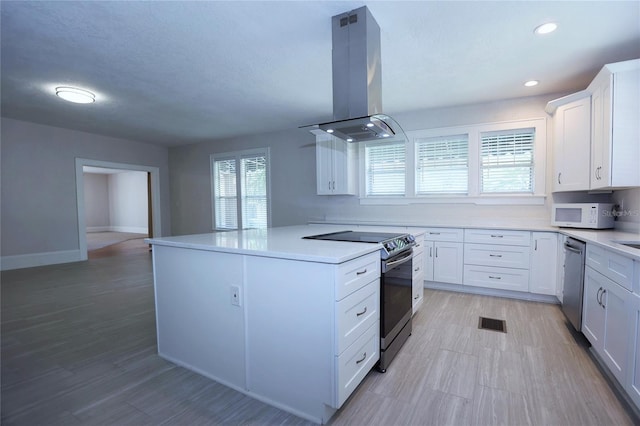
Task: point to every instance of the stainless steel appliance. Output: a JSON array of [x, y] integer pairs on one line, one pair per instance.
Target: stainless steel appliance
[[396, 269], [573, 281]]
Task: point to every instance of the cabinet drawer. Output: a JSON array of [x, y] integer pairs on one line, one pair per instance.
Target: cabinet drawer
[[616, 267], [444, 234], [418, 265], [356, 274], [356, 361], [500, 278], [493, 236], [419, 247], [496, 255], [356, 313]]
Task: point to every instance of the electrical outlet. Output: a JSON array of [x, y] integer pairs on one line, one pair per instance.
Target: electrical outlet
[[235, 295]]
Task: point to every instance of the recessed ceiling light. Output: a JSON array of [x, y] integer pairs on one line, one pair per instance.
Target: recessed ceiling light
[[329, 130], [547, 28], [349, 139], [531, 83], [73, 94]]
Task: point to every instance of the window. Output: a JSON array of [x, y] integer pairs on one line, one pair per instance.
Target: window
[[442, 165], [385, 169], [506, 159], [489, 163], [241, 189]]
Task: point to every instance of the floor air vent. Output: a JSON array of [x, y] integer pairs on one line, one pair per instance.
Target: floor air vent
[[492, 324]]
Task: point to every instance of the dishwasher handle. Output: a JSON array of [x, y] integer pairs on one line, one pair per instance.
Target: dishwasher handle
[[571, 248]]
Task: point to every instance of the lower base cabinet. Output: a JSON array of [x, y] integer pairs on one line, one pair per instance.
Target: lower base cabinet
[[633, 383], [605, 321]]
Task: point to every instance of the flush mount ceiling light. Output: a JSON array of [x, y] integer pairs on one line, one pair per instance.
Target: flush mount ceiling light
[[531, 83], [73, 94], [547, 28]]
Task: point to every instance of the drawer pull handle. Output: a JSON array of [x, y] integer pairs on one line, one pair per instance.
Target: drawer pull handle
[[495, 255], [434, 233], [495, 278], [417, 269], [362, 272], [417, 297], [361, 313], [364, 356], [497, 236], [416, 246]]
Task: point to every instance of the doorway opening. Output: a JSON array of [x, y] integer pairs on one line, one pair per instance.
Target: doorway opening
[[118, 206]]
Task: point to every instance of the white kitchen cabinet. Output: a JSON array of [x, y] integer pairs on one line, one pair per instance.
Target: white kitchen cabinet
[[418, 273], [572, 145], [615, 127], [544, 262], [605, 321], [335, 166], [443, 255], [497, 259], [633, 377]]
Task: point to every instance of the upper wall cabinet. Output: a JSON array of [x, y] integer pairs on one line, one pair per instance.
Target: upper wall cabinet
[[335, 166], [615, 126], [572, 142]]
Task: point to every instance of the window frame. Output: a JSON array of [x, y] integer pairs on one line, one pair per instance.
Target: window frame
[[238, 156], [474, 195]]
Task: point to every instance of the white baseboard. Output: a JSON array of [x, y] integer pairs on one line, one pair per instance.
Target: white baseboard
[[38, 259], [132, 229], [98, 228]]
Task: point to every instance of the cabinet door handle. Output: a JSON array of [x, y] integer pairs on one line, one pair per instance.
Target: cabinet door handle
[[430, 251], [436, 251], [604, 291], [362, 313], [364, 356], [495, 278], [598, 297], [494, 255], [559, 174], [497, 236], [535, 245], [362, 272]]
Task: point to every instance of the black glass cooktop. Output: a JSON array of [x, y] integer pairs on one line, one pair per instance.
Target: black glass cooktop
[[354, 236]]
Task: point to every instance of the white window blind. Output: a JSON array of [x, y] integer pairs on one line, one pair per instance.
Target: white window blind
[[442, 165], [385, 169], [225, 194], [507, 161], [254, 191]]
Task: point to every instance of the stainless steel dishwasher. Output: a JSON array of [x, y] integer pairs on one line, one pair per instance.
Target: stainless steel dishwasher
[[573, 281]]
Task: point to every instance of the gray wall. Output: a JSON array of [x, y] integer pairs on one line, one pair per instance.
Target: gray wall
[[293, 170], [96, 201], [128, 202], [38, 201]]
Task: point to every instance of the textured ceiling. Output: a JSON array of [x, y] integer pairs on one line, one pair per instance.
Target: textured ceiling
[[173, 73]]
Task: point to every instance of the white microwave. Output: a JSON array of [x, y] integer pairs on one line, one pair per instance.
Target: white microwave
[[583, 215]]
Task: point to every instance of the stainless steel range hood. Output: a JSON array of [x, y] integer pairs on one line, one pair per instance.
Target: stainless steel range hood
[[357, 81]]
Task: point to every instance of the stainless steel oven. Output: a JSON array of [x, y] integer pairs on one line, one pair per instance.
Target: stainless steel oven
[[395, 299], [396, 257]]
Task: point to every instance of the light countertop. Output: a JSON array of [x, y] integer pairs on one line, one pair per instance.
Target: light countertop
[[281, 242], [606, 238]]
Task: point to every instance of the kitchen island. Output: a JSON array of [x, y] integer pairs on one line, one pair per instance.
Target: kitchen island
[[289, 321]]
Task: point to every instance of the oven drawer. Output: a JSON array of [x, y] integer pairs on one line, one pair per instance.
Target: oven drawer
[[495, 236], [500, 278], [356, 273], [356, 361], [356, 313], [497, 255]]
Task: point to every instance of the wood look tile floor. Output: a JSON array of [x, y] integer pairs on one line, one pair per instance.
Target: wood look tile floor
[[79, 348]]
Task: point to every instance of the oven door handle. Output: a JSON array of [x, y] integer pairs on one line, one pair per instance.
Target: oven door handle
[[390, 265]]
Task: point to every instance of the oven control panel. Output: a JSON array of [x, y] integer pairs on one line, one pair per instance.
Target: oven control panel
[[397, 245]]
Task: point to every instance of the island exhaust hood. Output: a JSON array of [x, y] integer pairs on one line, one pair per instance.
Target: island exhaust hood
[[357, 81]]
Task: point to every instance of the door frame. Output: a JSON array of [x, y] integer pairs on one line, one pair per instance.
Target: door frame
[[155, 226]]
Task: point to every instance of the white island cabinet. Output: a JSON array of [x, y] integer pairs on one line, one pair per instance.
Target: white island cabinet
[[292, 322]]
